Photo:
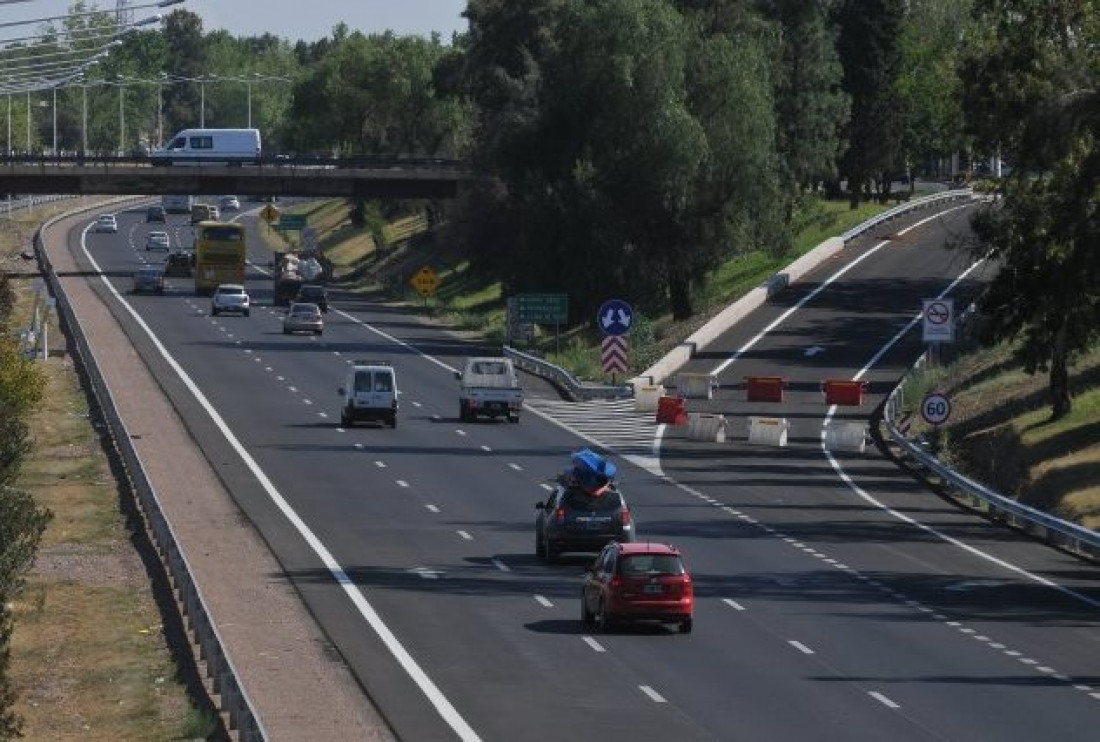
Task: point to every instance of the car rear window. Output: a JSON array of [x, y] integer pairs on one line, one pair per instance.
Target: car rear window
[[651, 564], [578, 499]]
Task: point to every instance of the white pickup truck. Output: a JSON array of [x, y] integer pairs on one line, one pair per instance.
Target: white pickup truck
[[489, 386]]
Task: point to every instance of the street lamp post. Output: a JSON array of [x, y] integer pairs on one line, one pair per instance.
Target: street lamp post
[[202, 102], [248, 84], [55, 121], [84, 119], [28, 122], [121, 119], [9, 125]]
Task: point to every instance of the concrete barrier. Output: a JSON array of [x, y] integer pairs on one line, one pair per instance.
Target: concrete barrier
[[845, 436], [704, 426], [768, 431], [646, 397], [696, 386]]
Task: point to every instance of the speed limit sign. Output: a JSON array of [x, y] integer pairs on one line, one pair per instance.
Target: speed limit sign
[[935, 408]]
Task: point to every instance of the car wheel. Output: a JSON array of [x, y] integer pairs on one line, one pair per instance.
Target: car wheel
[[540, 548], [686, 625], [286, 331], [345, 419], [461, 412], [246, 313], [320, 332], [587, 619], [393, 420], [513, 418], [213, 311]]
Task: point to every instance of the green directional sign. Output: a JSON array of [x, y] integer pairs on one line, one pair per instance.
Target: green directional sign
[[543, 309], [291, 222]]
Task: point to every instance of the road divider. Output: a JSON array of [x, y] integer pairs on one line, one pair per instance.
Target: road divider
[[845, 436], [768, 431], [703, 426], [764, 388], [696, 386]]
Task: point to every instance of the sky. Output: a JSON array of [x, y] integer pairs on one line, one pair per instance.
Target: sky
[[306, 20]]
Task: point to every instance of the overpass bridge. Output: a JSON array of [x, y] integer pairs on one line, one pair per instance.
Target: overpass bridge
[[360, 177]]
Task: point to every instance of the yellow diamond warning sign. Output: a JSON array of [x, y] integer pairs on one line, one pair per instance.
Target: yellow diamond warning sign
[[426, 281], [269, 214]]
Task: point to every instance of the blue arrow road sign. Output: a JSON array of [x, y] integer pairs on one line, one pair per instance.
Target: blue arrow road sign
[[615, 317]]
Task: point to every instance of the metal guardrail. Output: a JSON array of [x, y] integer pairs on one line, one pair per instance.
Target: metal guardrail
[[919, 203], [1056, 531], [219, 667], [576, 390]]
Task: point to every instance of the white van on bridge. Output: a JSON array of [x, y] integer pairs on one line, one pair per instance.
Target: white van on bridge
[[209, 147]]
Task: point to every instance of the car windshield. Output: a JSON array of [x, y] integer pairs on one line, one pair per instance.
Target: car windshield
[[578, 499], [305, 311], [651, 564], [232, 290]]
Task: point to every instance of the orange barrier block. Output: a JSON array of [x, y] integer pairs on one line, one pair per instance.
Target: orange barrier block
[[672, 411], [765, 388], [843, 392]]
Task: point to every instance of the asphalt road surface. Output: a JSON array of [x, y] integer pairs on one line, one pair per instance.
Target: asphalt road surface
[[836, 598]]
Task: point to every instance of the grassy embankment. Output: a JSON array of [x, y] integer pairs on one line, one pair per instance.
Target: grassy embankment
[[383, 257], [88, 656], [1000, 431]]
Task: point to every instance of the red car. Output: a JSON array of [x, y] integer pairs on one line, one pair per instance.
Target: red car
[[638, 582]]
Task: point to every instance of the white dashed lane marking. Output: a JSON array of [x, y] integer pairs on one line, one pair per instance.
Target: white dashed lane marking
[[883, 700], [653, 695], [733, 604], [432, 508], [501, 566], [543, 602], [594, 644], [465, 536]]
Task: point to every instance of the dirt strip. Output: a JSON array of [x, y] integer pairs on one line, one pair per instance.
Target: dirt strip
[[299, 686]]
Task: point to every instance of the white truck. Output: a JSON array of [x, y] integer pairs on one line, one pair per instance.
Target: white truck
[[489, 386]]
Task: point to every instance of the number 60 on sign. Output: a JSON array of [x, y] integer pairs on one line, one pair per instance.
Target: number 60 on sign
[[935, 408]]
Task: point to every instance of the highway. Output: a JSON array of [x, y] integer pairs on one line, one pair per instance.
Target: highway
[[836, 598]]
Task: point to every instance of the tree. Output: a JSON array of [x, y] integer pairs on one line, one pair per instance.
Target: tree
[[811, 108], [183, 58], [1030, 89], [869, 47]]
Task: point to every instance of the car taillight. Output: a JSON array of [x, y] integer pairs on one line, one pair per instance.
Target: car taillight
[[625, 515], [560, 514], [616, 582]]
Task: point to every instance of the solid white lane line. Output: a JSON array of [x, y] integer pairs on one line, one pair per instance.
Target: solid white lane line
[[543, 602], [501, 566], [883, 700], [416, 673], [653, 695], [733, 604], [594, 644], [465, 536], [432, 508], [800, 647]]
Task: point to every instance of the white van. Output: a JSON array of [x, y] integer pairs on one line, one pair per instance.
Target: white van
[[210, 146], [370, 389]]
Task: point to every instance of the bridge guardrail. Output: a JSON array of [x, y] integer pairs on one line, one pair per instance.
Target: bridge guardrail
[[1061, 533], [219, 667], [275, 161], [575, 389]]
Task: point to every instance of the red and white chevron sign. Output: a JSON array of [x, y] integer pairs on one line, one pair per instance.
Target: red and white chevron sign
[[614, 353]]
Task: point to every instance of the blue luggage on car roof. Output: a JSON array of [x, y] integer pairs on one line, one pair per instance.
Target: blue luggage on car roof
[[591, 471]]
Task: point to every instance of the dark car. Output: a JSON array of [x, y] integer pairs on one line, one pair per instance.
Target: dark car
[[149, 279], [573, 519], [155, 214], [313, 294], [638, 582], [179, 263]]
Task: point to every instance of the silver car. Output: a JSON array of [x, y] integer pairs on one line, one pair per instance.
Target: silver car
[[303, 317], [230, 297], [157, 241], [106, 223]]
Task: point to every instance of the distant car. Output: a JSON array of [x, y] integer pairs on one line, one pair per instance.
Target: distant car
[[156, 214], [229, 203], [643, 581], [158, 241], [573, 520], [230, 297], [303, 317], [149, 279], [106, 223], [313, 294], [179, 263]]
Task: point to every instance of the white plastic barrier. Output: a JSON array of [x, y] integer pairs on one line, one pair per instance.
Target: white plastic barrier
[[704, 426], [841, 436], [646, 396], [696, 386], [768, 431]]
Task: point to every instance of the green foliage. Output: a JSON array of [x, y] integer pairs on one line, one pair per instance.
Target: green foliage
[[22, 521], [870, 51]]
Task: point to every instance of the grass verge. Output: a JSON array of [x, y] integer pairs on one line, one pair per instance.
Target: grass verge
[[89, 657], [1001, 432]]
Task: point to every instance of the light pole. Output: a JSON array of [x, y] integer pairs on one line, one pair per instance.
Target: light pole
[[84, 119], [8, 153], [160, 108], [28, 122], [121, 118], [55, 121], [248, 84]]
